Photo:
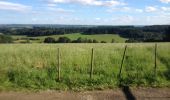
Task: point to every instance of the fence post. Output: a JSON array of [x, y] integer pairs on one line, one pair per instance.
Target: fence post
[[92, 59], [155, 69], [119, 75], [59, 64]]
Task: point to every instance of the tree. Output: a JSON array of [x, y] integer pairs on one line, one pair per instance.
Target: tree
[[49, 40], [131, 41], [113, 41], [167, 34], [89, 41], [64, 40], [79, 40], [95, 41], [103, 42], [5, 39]]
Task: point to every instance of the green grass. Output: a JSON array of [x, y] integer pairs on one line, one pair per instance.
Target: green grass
[[103, 37], [34, 66]]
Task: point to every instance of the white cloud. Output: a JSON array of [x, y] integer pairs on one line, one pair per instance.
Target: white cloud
[[97, 19], [89, 2], [165, 8], [151, 9], [60, 10], [157, 9], [148, 9], [165, 1], [139, 10], [4, 5], [122, 9], [51, 5], [125, 9]]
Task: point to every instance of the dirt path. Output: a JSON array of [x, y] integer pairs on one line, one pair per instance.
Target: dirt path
[[117, 94]]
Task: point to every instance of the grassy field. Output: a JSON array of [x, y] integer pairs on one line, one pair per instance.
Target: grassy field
[[34, 66], [103, 37]]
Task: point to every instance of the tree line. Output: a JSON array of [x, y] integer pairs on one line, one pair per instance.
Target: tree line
[[68, 40], [155, 33]]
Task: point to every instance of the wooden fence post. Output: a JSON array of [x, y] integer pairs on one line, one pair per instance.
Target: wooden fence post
[[59, 64], [155, 69], [119, 75], [92, 59]]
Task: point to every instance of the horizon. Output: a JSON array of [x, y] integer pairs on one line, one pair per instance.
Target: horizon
[[88, 25], [86, 12]]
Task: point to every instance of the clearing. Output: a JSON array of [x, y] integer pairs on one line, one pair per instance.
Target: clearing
[[101, 37]]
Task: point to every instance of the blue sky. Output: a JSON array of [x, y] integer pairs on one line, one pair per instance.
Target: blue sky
[[85, 12]]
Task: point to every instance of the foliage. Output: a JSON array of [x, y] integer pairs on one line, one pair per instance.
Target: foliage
[[113, 41], [5, 39], [143, 33], [49, 40], [68, 40], [74, 36], [103, 42], [167, 34], [64, 40]]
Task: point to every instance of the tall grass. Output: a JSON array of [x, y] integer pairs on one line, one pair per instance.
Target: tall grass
[[34, 66]]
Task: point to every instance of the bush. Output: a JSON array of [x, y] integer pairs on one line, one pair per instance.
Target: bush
[[103, 42], [49, 40], [132, 41], [64, 40], [95, 41], [80, 40], [89, 41], [5, 39], [113, 41], [68, 40]]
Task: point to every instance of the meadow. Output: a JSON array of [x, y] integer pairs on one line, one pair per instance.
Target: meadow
[[102, 37], [34, 66]]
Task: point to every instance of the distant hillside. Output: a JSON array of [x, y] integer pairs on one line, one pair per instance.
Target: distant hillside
[[102, 37], [155, 33]]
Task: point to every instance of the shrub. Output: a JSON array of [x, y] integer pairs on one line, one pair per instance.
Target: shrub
[[95, 41], [5, 39], [49, 40], [103, 42], [113, 41], [64, 40]]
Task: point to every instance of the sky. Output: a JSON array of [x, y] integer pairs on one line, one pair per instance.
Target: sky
[[85, 12]]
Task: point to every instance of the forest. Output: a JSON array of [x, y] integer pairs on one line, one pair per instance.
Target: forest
[[155, 33]]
